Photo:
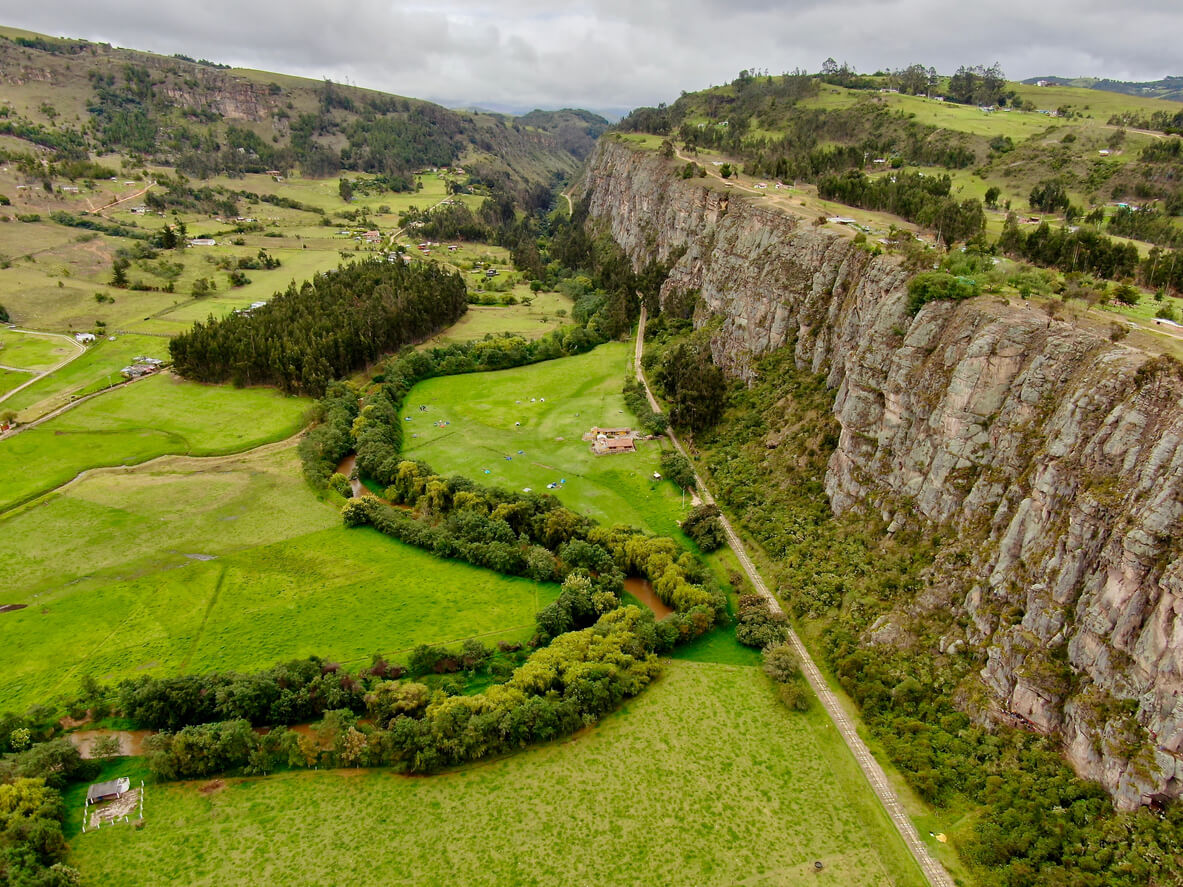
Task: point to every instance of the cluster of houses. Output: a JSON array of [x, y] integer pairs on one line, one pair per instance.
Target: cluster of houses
[[141, 366], [609, 441]]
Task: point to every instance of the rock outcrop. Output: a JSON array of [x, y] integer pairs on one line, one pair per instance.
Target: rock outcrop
[[1054, 456]]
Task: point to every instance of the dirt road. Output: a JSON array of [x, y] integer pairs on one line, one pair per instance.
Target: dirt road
[[933, 870], [80, 350]]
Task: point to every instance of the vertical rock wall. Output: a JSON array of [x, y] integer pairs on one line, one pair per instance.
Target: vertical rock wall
[[1052, 455]]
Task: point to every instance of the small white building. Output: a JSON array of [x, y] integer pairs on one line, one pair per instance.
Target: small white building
[[84, 338], [108, 791]]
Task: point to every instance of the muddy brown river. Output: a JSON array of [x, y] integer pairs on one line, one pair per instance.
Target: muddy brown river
[[643, 591], [346, 468]]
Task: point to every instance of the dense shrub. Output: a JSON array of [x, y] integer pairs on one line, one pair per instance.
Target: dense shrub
[[934, 286], [756, 625], [702, 525], [290, 693]]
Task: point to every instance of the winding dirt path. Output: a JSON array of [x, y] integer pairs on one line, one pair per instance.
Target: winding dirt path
[[102, 209], [933, 870]]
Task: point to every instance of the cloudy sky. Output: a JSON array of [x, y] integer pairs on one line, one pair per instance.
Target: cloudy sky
[[607, 54]]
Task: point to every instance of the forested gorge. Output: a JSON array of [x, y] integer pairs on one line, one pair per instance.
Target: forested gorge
[[325, 328]]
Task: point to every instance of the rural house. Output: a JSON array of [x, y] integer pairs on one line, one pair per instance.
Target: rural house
[[618, 445]]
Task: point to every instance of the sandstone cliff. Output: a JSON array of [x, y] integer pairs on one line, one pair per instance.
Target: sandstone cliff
[[1054, 456]]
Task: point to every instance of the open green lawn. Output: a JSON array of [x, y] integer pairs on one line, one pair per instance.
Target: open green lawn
[[10, 379], [29, 351], [225, 563], [571, 395], [98, 368], [532, 321], [1018, 125], [705, 779], [153, 417]]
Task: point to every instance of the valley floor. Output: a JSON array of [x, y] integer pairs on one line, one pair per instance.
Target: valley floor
[[705, 779]]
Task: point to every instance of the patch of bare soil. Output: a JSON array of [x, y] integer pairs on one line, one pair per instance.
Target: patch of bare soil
[[214, 785]]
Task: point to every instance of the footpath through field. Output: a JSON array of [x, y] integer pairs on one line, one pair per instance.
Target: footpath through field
[[933, 870]]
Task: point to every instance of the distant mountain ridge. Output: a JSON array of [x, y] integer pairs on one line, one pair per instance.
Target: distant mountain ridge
[[1170, 88]]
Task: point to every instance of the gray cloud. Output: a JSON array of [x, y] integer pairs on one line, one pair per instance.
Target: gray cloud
[[621, 53]]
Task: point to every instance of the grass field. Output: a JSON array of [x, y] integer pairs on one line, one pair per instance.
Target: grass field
[[55, 271], [30, 351], [98, 368], [153, 417], [532, 321], [226, 563], [571, 395], [705, 779], [10, 379]]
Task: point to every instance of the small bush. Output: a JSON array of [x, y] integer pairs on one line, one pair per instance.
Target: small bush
[[933, 286]]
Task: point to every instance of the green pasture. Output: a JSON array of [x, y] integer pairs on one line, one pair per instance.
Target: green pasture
[[579, 392], [56, 271], [153, 417], [192, 565], [1098, 104], [96, 369], [704, 779], [10, 379], [30, 351], [1019, 125], [297, 266], [324, 194], [531, 321]]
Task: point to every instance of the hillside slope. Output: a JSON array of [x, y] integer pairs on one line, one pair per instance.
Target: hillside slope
[[1169, 88], [75, 96]]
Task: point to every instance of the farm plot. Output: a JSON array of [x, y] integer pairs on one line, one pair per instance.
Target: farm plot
[[229, 563], [96, 369], [33, 352]]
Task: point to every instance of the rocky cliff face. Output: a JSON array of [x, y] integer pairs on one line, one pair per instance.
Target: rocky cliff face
[[1052, 455]]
